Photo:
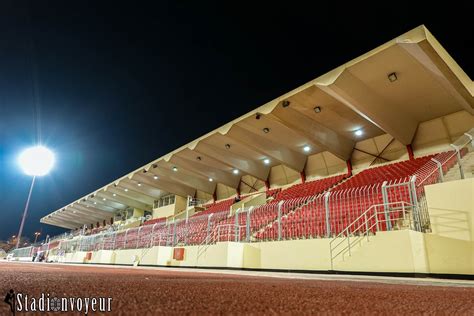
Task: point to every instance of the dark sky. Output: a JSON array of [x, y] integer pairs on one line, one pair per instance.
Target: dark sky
[[122, 84]]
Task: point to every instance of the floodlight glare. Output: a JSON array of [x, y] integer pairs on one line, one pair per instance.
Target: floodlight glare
[[36, 161]]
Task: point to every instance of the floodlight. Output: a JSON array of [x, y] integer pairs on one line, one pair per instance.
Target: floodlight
[[36, 161]]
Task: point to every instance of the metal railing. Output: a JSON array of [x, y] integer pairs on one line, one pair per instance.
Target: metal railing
[[380, 217]]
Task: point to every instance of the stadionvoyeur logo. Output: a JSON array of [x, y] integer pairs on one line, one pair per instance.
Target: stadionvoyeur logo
[[20, 302]]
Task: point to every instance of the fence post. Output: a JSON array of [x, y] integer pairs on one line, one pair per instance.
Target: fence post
[[328, 214], [458, 157], [236, 225], [208, 228], [385, 206], [440, 169], [279, 219], [113, 243], [174, 234], [249, 213], [125, 239], [416, 211], [138, 236]]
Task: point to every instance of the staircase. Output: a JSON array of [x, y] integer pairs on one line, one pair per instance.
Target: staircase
[[376, 218], [467, 163]]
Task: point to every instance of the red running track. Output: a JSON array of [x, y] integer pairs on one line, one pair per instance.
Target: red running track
[[171, 292]]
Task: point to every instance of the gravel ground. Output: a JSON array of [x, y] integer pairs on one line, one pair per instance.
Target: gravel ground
[[171, 292]]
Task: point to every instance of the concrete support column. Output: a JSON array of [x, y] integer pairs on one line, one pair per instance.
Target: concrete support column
[[411, 156], [349, 167]]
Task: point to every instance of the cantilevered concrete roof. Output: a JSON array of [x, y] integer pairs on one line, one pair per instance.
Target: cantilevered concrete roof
[[355, 96]]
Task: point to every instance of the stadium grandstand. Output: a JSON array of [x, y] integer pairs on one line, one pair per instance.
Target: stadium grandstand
[[367, 168]]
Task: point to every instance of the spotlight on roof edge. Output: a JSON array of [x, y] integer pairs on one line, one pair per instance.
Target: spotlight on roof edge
[[306, 148], [266, 161], [36, 161], [235, 171], [358, 132]]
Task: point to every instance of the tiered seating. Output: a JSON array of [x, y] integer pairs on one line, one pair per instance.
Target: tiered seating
[[273, 192], [347, 202], [195, 230], [309, 188], [383, 173], [155, 221], [218, 206], [293, 197]]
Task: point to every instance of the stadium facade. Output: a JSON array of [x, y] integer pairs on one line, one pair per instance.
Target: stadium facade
[[367, 168]]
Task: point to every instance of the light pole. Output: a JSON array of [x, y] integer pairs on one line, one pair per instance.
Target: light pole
[[36, 236], [35, 161]]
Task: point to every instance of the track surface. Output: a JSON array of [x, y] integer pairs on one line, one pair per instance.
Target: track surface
[[171, 292]]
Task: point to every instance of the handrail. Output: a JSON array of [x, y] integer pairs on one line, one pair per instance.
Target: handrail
[[346, 233]]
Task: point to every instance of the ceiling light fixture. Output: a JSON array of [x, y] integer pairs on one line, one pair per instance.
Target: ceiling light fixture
[[392, 77], [257, 116], [317, 109], [175, 169], [210, 180], [358, 132], [235, 171], [199, 158], [306, 148], [104, 199], [126, 190], [114, 194], [266, 130], [266, 161], [227, 146], [139, 184], [285, 103], [155, 177]]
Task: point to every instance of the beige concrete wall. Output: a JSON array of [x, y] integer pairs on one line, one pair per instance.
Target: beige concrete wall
[[324, 164], [249, 184], [449, 255], [383, 145], [436, 135], [253, 200], [450, 246], [451, 209], [180, 204], [137, 213], [224, 192], [282, 175], [396, 251], [164, 211]]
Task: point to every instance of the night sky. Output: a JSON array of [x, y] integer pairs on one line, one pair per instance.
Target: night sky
[[122, 84]]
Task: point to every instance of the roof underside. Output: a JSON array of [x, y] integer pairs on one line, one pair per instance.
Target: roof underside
[[354, 96]]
